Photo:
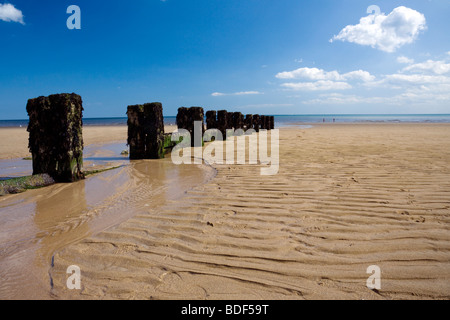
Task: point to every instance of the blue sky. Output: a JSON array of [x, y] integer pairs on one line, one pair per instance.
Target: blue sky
[[254, 56]]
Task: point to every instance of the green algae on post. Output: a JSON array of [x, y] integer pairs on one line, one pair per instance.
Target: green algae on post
[[18, 185]]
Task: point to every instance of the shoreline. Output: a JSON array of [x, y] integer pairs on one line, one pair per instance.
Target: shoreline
[[15, 140]]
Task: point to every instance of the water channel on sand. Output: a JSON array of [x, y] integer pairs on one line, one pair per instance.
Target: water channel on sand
[[37, 223]]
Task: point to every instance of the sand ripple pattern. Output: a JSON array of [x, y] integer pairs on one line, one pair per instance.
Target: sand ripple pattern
[[346, 197]]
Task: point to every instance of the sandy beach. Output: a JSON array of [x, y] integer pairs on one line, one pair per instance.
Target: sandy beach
[[347, 196]]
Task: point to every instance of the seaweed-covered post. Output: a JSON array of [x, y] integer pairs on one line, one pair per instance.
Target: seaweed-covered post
[[248, 121], [256, 122], [211, 120], [56, 138], [187, 117], [136, 132], [154, 130], [146, 131]]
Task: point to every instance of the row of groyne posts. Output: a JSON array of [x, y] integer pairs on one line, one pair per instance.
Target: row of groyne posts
[[56, 136]]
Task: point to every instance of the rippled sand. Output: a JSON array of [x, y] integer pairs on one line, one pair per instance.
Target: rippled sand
[[346, 197], [37, 223]]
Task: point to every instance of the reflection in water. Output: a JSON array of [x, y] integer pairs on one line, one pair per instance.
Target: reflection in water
[[36, 224]]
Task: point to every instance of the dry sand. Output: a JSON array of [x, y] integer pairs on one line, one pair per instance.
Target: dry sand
[[347, 196], [14, 141]]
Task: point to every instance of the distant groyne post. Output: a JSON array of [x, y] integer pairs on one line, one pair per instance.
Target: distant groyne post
[[211, 120], [248, 121], [238, 120], [222, 122], [146, 131], [56, 137], [186, 119], [272, 123], [256, 122], [230, 120], [263, 124]]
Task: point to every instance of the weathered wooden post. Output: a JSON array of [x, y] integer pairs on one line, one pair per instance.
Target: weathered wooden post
[[238, 120], [263, 122], [256, 122], [56, 138], [182, 117], [222, 123], [146, 131], [154, 131], [136, 132], [272, 122], [267, 123], [211, 120], [187, 117], [248, 121], [230, 120]]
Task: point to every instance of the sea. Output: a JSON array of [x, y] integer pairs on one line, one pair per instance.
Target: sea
[[280, 120]]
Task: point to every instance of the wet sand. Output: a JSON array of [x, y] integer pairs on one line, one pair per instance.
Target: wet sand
[[347, 196], [37, 223]]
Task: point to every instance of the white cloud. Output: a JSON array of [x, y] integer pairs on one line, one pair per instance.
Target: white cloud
[[9, 13], [321, 85], [320, 80], [418, 79], [423, 95], [405, 60], [387, 33], [242, 93], [436, 67], [319, 74], [309, 73], [358, 75]]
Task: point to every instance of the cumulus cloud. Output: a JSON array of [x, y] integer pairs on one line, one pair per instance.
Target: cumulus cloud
[[436, 67], [9, 13], [242, 93], [426, 83], [405, 60], [320, 74], [321, 85], [315, 79], [385, 32]]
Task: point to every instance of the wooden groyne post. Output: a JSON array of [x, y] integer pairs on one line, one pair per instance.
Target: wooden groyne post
[[187, 117], [248, 121], [222, 122], [56, 137], [238, 120], [211, 120], [146, 131], [256, 122]]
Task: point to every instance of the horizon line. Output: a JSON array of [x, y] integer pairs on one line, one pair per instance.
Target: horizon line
[[287, 115]]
